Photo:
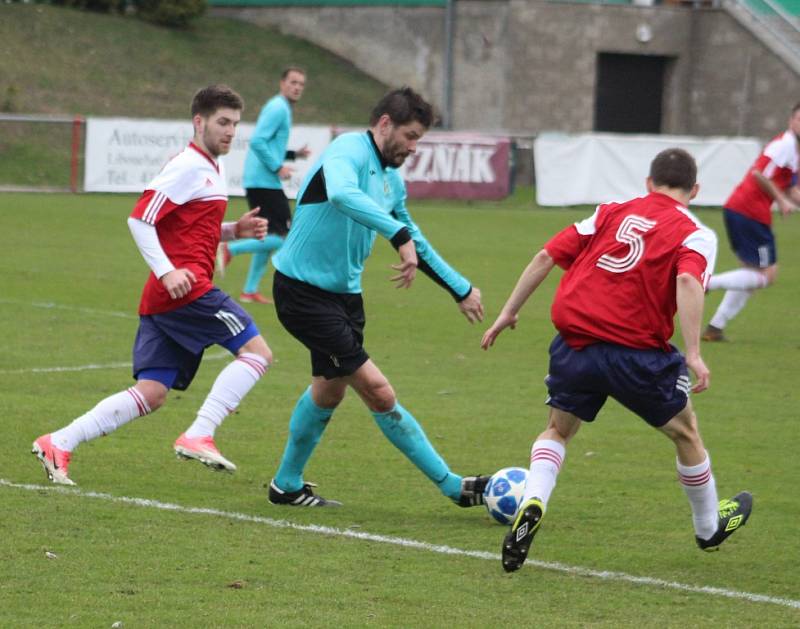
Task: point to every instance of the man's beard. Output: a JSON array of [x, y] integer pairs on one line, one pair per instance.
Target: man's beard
[[393, 156]]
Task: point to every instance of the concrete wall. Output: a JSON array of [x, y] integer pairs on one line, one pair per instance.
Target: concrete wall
[[556, 46], [739, 86], [530, 66]]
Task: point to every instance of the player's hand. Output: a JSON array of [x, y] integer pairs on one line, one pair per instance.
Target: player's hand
[[285, 172], [700, 371], [407, 268], [786, 206], [502, 322], [472, 306], [303, 152], [251, 225], [178, 282]]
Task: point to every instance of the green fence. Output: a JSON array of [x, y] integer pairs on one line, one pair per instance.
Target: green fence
[[329, 3]]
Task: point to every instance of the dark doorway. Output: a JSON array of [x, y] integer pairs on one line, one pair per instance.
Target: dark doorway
[[629, 93]]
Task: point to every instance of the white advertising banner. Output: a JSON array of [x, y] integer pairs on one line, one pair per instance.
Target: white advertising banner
[[598, 168], [124, 154]]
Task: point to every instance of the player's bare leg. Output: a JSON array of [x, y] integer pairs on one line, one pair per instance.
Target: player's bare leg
[[714, 520]]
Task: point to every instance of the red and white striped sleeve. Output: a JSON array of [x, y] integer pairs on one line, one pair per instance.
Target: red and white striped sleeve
[[179, 182]]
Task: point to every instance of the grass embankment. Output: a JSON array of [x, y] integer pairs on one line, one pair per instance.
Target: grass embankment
[[62, 61]]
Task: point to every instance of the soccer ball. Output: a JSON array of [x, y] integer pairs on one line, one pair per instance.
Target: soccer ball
[[504, 492]]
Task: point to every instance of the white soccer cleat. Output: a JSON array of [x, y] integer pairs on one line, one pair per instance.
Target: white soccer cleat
[[202, 449], [54, 461]]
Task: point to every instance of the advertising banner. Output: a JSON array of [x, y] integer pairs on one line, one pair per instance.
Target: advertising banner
[[124, 154], [451, 165], [598, 168]]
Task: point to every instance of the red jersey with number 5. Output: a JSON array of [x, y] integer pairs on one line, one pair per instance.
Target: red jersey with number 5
[[186, 202], [622, 264]]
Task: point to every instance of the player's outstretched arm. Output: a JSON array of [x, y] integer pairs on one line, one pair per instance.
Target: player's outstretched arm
[[178, 282], [472, 306], [690, 297], [251, 225], [407, 267], [786, 202], [528, 282], [794, 195]]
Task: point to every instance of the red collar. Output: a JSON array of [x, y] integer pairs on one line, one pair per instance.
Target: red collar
[[194, 146]]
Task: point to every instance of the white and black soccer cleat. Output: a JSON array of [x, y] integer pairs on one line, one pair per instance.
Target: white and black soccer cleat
[[472, 490], [303, 497]]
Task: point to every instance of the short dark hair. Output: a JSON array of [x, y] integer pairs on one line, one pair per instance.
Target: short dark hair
[[289, 69], [796, 108], [403, 106], [674, 168], [209, 99]]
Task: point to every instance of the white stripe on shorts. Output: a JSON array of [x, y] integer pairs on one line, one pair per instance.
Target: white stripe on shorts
[[230, 320]]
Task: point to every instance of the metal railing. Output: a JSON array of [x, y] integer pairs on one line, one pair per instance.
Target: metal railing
[[775, 19]]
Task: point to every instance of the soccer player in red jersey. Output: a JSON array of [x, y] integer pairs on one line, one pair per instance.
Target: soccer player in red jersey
[[748, 221], [629, 268], [177, 225]]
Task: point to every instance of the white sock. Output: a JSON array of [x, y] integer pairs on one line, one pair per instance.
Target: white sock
[[230, 387], [105, 418], [731, 305], [701, 490], [739, 279], [546, 459]]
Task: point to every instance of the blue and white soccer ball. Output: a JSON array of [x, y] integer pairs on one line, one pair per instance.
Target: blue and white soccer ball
[[504, 493]]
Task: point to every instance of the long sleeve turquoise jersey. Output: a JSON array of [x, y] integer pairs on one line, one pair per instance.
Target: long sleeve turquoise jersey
[[348, 197], [268, 144]]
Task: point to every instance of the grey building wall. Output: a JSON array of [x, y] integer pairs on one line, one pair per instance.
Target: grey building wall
[[530, 66], [738, 85]]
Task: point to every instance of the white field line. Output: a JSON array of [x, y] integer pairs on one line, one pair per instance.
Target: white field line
[[604, 575], [119, 365], [51, 306], [91, 366]]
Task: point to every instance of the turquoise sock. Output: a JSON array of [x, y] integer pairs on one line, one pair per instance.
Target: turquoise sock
[[258, 266], [271, 242], [405, 433], [245, 245], [305, 430]]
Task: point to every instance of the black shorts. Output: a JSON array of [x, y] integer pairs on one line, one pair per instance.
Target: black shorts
[[274, 207], [330, 325]]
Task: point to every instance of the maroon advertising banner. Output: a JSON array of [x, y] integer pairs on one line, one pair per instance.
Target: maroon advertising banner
[[452, 165]]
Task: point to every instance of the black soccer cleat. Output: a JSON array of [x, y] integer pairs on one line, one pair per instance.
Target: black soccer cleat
[[472, 490], [733, 515], [303, 497], [518, 541]]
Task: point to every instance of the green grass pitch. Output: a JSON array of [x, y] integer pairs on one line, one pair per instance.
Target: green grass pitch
[[69, 290]]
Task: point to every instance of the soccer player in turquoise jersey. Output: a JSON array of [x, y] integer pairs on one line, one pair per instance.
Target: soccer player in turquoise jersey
[[264, 170], [351, 194]]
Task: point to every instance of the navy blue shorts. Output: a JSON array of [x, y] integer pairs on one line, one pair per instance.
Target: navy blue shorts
[[751, 241], [652, 383], [176, 340], [330, 325]]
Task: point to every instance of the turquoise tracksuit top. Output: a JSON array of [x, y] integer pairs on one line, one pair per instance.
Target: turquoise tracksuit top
[[268, 145], [347, 196]]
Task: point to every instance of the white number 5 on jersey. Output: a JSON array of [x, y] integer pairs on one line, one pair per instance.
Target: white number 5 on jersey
[[630, 233]]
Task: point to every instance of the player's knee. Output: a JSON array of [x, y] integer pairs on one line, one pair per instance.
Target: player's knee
[[380, 397], [683, 431], [154, 393], [327, 399], [257, 345]]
